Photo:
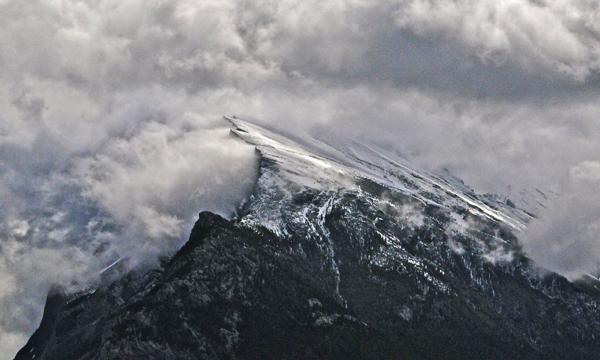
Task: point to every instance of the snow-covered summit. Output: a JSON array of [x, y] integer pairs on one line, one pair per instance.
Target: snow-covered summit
[[322, 164]]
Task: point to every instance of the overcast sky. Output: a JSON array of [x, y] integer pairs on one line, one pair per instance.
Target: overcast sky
[[111, 134]]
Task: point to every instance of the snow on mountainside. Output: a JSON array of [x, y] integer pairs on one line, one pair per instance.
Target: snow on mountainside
[[317, 164], [342, 251]]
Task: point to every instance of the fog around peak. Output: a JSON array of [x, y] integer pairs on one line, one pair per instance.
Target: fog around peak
[[111, 134]]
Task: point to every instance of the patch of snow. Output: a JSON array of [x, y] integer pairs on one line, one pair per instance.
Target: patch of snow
[[322, 164], [592, 277], [456, 247], [312, 302], [113, 264], [405, 313]]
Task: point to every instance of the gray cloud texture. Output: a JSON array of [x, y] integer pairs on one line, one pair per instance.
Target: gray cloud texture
[[111, 139]]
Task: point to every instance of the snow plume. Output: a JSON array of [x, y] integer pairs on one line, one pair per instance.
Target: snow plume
[[111, 139], [135, 195]]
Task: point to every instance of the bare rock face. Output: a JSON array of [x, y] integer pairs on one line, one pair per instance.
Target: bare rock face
[[334, 258], [230, 292]]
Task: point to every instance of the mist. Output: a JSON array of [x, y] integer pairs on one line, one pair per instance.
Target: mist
[[111, 138]]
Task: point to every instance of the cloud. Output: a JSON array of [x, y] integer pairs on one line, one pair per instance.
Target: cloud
[[157, 180], [110, 138], [566, 239], [560, 37], [26, 271]]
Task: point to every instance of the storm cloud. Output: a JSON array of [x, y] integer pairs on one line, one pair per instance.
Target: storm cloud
[[111, 138]]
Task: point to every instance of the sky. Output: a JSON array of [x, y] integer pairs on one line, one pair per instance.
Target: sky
[[111, 137]]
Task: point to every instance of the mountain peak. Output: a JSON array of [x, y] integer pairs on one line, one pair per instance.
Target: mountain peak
[[321, 164], [352, 254]]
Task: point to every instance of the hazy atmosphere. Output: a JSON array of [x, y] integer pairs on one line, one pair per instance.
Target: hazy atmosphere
[[112, 138]]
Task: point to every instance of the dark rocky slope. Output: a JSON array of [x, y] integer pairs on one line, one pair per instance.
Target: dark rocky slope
[[318, 267]]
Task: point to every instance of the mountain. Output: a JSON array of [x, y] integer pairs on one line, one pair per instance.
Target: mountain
[[341, 251]]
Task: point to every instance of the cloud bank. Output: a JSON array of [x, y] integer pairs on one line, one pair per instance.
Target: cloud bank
[[111, 139]]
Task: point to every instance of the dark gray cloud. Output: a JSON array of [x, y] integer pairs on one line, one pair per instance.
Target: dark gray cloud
[[110, 135]]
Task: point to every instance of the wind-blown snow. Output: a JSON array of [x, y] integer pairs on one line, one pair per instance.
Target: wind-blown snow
[[324, 164]]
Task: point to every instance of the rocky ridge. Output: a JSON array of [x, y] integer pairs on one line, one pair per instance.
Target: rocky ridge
[[340, 252]]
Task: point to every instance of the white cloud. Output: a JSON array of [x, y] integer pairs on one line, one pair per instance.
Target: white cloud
[[11, 342], [109, 114], [556, 36], [586, 171], [156, 181], [567, 238]]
